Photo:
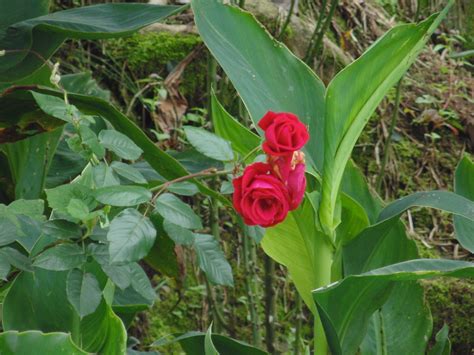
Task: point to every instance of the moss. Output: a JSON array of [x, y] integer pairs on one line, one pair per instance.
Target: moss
[[452, 302], [158, 52]]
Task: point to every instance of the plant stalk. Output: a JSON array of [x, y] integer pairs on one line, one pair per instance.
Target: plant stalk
[[323, 257], [270, 304], [380, 177], [314, 49], [256, 340], [287, 21], [299, 321]]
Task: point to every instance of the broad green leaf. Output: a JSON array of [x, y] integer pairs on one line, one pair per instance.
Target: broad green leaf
[[141, 283], [83, 292], [44, 35], [13, 342], [29, 160], [103, 332], [31, 208], [464, 186], [119, 274], [4, 267], [131, 236], [120, 144], [23, 10], [55, 230], [164, 256], [85, 84], [66, 165], [243, 140], [129, 172], [78, 209], [59, 197], [359, 296], [30, 304], [405, 309], [177, 212], [267, 76], [209, 144], [167, 166], [178, 234], [56, 107], [354, 94], [377, 246], [209, 348], [355, 186], [353, 220], [61, 257], [8, 231], [212, 260], [90, 139], [442, 200], [442, 345], [183, 188], [16, 259], [193, 344], [122, 196], [298, 245], [104, 176]]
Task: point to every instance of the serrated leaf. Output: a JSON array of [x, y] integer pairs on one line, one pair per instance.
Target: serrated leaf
[[120, 144], [184, 188], [61, 257], [16, 259], [122, 196], [83, 292], [56, 107], [89, 138], [131, 236], [177, 212], [128, 172], [104, 176], [212, 260], [141, 283], [8, 231], [119, 274], [30, 208], [59, 197], [178, 234], [78, 209], [209, 144]]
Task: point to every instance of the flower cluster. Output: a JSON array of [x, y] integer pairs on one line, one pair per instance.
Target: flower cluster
[[266, 192]]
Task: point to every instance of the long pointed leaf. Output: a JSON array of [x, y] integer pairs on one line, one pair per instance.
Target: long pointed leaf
[[354, 94], [266, 74]]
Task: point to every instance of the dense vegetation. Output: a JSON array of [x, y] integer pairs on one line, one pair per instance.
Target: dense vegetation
[[118, 149]]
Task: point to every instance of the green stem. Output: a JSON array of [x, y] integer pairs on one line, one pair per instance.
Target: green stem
[[323, 257], [287, 21], [270, 303], [379, 181], [299, 319], [317, 28], [317, 45], [250, 291]]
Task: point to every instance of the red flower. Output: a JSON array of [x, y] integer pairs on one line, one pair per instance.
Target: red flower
[[290, 169], [284, 133], [260, 196]]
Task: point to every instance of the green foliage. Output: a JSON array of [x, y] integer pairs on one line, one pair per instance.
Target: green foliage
[[451, 302]]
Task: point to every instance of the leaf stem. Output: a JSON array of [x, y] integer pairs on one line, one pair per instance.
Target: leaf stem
[[270, 303]]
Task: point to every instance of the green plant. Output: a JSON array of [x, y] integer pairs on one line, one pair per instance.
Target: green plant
[[354, 241]]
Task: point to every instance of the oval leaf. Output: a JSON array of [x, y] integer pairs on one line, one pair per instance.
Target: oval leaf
[[177, 212], [209, 144], [122, 196], [83, 292]]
